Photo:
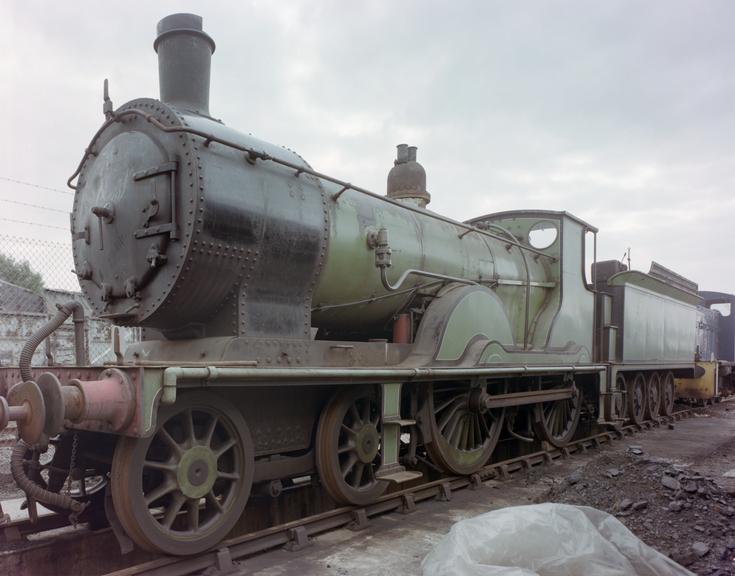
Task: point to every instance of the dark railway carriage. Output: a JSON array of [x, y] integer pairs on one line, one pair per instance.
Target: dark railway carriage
[[297, 325], [715, 350]]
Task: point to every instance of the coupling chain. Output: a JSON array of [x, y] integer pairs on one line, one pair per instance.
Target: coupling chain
[[72, 462]]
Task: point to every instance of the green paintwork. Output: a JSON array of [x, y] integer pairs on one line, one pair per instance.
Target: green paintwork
[[478, 313], [573, 320], [494, 353], [646, 282], [150, 392], [560, 309], [656, 327], [391, 399], [559, 304], [417, 240]]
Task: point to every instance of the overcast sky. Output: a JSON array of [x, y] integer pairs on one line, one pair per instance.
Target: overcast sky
[[621, 112]]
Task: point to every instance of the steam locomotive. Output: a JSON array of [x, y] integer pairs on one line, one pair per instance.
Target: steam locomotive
[[299, 325]]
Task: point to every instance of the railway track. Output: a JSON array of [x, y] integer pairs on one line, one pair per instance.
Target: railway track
[[296, 534]]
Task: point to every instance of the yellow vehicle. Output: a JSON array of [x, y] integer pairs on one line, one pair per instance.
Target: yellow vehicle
[[715, 351]]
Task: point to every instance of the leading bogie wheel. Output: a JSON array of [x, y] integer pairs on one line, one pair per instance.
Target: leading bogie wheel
[[668, 391], [348, 446], [653, 393], [463, 432], [181, 490], [636, 392]]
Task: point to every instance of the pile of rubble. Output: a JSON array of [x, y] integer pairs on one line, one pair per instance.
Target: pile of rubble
[[671, 507]]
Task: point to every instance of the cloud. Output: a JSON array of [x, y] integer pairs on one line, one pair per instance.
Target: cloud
[[621, 113]]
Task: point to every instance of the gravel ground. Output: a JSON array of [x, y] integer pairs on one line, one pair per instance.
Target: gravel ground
[[7, 485], [683, 508]]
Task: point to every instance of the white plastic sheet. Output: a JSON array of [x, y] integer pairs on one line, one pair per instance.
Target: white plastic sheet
[[545, 540]]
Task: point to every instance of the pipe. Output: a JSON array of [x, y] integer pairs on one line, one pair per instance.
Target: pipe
[[65, 310], [402, 329], [33, 490], [393, 287], [402, 155], [80, 348], [173, 374]]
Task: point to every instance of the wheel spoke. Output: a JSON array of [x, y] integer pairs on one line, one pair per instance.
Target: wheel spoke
[[168, 439], [192, 515], [189, 424], [484, 430], [209, 433], [163, 489], [224, 448], [443, 406], [162, 466], [549, 419], [355, 416], [449, 434], [347, 466], [228, 475], [212, 499], [472, 439], [347, 447], [365, 417], [449, 414], [464, 437], [456, 431], [348, 430], [357, 474], [173, 509]]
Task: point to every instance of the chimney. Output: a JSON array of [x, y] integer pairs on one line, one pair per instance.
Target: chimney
[[184, 57], [407, 178]]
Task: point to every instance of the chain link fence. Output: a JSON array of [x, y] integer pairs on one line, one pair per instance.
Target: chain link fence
[[35, 276]]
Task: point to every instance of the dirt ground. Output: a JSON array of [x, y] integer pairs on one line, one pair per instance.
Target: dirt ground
[[682, 504]]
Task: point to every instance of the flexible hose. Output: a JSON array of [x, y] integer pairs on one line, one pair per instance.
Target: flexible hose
[[33, 490], [26, 355]]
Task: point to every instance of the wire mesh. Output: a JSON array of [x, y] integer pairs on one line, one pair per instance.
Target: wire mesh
[[35, 276]]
